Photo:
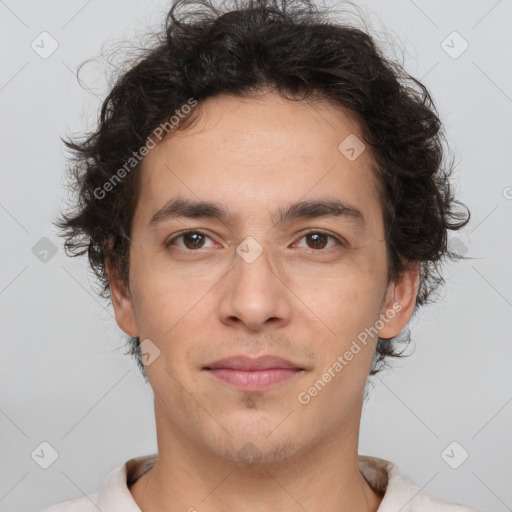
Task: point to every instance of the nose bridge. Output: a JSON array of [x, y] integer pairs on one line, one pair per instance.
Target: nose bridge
[[253, 262], [254, 292]]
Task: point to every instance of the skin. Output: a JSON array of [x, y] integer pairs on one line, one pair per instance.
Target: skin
[[298, 300]]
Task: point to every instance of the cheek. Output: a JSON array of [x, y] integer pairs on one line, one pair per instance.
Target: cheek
[[171, 313], [344, 303], [159, 300]]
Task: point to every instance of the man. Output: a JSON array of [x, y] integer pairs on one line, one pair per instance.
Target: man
[[266, 202]]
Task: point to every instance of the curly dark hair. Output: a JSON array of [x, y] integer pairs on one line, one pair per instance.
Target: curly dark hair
[[291, 47]]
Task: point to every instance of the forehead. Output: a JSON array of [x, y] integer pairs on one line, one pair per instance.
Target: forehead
[[264, 152]]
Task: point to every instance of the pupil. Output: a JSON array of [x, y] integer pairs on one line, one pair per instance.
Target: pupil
[[196, 240], [317, 239]]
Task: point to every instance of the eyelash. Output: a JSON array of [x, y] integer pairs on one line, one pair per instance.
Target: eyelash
[[197, 232]]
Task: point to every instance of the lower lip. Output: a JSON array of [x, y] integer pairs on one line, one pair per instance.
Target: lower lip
[[254, 380]]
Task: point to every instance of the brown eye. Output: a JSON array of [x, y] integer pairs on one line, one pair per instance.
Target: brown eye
[[191, 240], [317, 240]]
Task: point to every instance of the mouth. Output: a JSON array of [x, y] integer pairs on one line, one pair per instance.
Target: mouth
[[253, 374]]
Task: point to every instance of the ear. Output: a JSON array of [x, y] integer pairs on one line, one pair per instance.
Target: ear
[[122, 302], [399, 301]]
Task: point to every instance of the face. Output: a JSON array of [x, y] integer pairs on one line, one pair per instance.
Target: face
[[286, 259]]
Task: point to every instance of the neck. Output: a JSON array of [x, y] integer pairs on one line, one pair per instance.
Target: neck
[[188, 477]]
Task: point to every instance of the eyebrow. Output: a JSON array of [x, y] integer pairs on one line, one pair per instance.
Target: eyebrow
[[176, 208]]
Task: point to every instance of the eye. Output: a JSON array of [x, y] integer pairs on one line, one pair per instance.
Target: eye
[[318, 240], [191, 240]]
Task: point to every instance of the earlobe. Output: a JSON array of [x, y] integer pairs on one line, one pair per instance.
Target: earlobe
[[399, 303], [121, 302]]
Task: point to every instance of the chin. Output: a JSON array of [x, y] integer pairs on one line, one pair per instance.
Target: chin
[[259, 452], [256, 443]]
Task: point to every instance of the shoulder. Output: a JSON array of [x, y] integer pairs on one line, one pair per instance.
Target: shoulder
[[114, 493], [427, 503], [82, 504], [400, 492]]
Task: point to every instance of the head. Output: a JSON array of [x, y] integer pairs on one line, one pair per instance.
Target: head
[[310, 176]]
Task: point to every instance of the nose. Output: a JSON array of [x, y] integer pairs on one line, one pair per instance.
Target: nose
[[254, 296]]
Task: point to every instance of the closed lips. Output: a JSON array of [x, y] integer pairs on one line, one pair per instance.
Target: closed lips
[[244, 363]]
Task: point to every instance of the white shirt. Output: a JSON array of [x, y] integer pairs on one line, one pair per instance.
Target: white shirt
[[400, 493]]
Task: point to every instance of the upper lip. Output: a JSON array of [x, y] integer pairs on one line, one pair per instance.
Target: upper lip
[[247, 363]]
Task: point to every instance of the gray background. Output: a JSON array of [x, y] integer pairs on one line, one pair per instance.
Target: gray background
[[63, 376]]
